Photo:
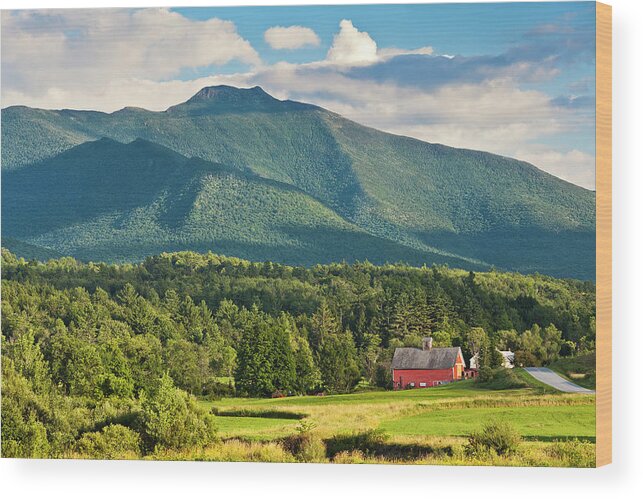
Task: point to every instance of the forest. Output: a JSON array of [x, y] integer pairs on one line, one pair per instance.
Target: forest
[[110, 359]]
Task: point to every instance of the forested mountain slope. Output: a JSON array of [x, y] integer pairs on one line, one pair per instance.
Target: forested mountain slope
[[108, 201], [432, 202]]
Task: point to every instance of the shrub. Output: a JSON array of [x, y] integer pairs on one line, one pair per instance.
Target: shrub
[[115, 411], [304, 445], [171, 419], [499, 437], [574, 453], [485, 374], [523, 358], [258, 413], [112, 442], [368, 442], [499, 379], [214, 389]]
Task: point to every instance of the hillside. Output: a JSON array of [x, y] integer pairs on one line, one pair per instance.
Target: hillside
[[104, 200], [431, 202]]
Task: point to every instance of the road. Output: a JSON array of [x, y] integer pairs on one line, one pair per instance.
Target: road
[[550, 378]]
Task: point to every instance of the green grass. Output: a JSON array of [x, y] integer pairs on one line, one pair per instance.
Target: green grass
[[455, 390], [558, 428], [455, 409], [537, 422], [254, 428], [580, 370]]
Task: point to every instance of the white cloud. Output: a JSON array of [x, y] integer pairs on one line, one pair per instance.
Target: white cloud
[[387, 53], [120, 93], [574, 166], [291, 37], [351, 46], [76, 49]]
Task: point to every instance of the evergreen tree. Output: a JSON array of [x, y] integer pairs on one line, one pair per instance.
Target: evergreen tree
[[254, 372], [324, 323], [307, 376], [370, 354], [282, 357], [337, 361]]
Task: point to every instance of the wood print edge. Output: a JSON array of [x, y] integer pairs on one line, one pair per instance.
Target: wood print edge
[[603, 234]]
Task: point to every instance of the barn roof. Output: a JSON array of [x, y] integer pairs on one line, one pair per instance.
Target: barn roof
[[416, 358]]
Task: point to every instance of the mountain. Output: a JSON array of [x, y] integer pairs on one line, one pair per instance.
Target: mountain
[[104, 200], [412, 200]]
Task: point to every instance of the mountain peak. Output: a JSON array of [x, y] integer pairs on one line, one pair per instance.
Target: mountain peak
[[227, 93], [228, 99]]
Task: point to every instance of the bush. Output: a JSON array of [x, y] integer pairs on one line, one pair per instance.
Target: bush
[[304, 445], [258, 413], [496, 437], [214, 389], [115, 411], [485, 375], [574, 453], [523, 358], [368, 442], [171, 419], [112, 442], [499, 379]]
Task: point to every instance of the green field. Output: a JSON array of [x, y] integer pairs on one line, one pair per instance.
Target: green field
[[461, 389], [539, 423], [557, 429], [260, 428]]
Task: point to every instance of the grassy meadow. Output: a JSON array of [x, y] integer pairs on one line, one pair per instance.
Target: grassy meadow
[[422, 426]]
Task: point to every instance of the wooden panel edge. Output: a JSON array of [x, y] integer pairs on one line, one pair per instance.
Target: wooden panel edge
[[603, 234]]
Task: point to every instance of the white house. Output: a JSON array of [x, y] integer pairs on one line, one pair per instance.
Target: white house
[[507, 360]]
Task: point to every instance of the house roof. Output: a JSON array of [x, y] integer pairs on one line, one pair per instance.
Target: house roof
[[508, 354], [415, 358]]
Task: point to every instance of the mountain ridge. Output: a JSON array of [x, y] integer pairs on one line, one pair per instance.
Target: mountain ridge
[[430, 198]]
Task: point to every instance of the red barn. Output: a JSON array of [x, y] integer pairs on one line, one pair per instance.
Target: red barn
[[426, 366]]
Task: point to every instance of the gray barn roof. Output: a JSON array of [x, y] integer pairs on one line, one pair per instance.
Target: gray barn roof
[[416, 358]]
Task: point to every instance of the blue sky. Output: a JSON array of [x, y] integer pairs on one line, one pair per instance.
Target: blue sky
[[516, 79], [458, 28]]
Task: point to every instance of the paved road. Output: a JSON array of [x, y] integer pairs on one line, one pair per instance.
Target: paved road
[[550, 378]]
